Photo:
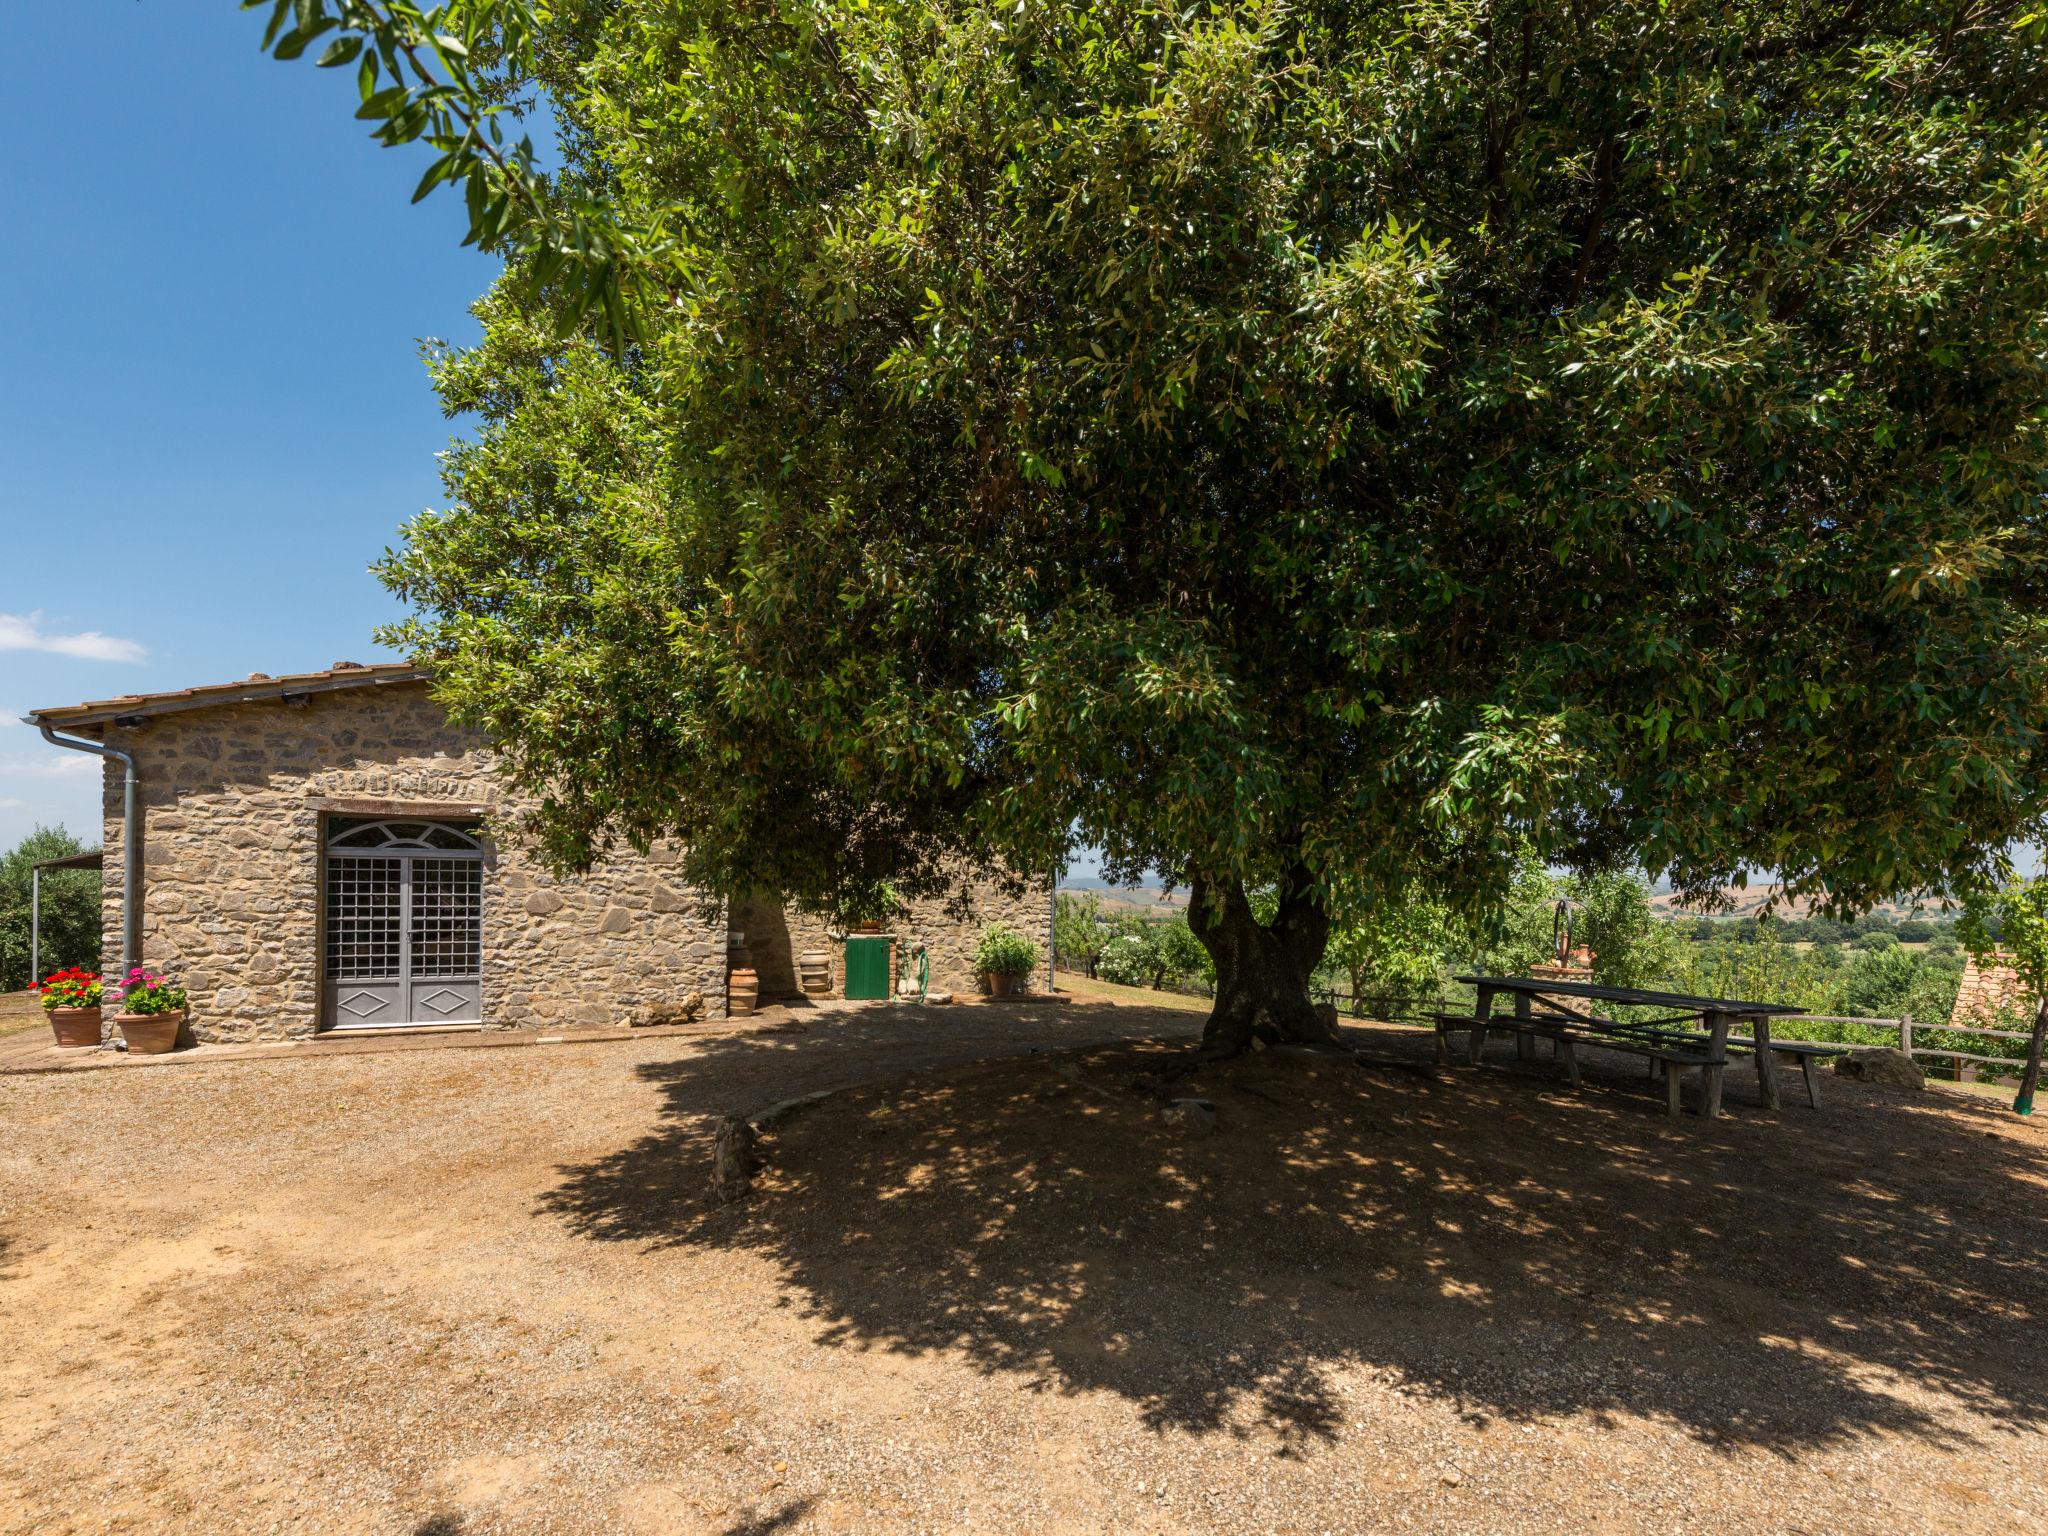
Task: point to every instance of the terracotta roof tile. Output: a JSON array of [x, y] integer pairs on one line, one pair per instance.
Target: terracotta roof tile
[[345, 674], [1985, 990]]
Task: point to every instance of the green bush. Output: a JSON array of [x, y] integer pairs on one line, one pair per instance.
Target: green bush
[[1129, 960], [1004, 952], [1876, 982], [1181, 956], [1079, 929]]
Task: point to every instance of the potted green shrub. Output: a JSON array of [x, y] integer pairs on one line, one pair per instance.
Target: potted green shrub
[[867, 915], [1004, 957], [72, 1000], [152, 1012]]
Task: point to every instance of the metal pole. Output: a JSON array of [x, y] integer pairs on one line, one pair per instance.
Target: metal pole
[[35, 926], [1052, 916], [131, 840]]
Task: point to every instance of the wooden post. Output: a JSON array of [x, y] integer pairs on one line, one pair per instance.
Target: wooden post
[[1906, 1035], [1710, 1075], [1766, 1063], [1810, 1066], [1482, 1011]]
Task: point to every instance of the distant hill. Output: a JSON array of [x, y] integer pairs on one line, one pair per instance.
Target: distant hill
[[1741, 901], [1747, 901], [1135, 898]]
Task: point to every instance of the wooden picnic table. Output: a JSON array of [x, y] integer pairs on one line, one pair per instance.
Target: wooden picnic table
[[1718, 1016]]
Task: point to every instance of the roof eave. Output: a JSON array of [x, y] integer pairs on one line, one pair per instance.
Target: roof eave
[[142, 706]]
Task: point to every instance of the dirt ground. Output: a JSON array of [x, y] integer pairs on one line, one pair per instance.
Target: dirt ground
[[19, 1011], [459, 1292]]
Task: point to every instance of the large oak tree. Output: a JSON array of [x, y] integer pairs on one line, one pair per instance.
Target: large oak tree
[[1318, 447]]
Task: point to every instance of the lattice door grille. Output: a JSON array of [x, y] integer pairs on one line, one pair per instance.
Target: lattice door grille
[[404, 931], [364, 929], [447, 918]]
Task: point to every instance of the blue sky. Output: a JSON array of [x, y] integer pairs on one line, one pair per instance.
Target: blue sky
[[212, 410]]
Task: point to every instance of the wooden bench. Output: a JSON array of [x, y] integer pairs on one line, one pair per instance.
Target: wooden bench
[[1809, 1053], [1556, 1028], [1669, 1051], [1560, 1009]]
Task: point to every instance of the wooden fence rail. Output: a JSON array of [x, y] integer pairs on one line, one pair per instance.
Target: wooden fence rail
[[1906, 1027], [1903, 1028]]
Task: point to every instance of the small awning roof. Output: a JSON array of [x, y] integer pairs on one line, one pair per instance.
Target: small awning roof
[[93, 860]]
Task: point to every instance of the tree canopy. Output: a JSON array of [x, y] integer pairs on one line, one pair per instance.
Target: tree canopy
[[2019, 913], [1320, 446], [70, 909]]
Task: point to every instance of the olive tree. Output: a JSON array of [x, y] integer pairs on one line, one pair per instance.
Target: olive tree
[[1312, 447], [1079, 929]]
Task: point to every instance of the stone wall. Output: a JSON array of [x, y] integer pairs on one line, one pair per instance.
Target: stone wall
[[948, 932], [234, 800]]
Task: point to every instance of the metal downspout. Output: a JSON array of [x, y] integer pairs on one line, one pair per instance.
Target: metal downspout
[[131, 841]]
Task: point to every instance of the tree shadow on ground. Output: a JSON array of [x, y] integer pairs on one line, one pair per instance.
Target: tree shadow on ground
[[1486, 1238]]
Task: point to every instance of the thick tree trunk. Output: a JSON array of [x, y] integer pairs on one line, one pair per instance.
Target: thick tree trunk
[[2030, 1075], [1262, 973]]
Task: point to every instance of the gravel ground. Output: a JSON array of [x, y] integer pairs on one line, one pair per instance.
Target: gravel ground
[[453, 1293]]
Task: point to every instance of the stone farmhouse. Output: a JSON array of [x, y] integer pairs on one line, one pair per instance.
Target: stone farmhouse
[[312, 853]]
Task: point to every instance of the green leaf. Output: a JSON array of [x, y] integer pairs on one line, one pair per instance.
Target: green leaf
[[340, 52], [384, 102], [297, 41], [435, 174]]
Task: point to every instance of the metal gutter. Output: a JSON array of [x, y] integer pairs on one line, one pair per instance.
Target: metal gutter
[[131, 838]]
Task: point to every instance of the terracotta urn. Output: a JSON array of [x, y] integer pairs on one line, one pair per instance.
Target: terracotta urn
[[151, 1034], [1001, 984], [75, 1027], [742, 992]]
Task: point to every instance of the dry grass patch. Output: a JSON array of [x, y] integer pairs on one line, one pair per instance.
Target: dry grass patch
[[19, 1011], [1136, 997]]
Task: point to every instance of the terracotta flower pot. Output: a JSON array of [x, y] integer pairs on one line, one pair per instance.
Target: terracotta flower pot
[[150, 1034], [1001, 984], [75, 1027]]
